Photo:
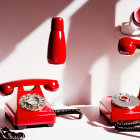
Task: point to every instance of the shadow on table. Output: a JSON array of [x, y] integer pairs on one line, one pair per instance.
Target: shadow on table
[[97, 120], [4, 121]]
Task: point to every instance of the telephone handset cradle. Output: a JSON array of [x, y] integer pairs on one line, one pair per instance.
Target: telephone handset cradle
[[29, 107]]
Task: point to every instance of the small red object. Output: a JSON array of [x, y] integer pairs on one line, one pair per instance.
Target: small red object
[[56, 45], [127, 45], [30, 106]]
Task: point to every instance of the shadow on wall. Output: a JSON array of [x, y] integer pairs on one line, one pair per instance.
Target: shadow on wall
[[20, 18], [92, 35]]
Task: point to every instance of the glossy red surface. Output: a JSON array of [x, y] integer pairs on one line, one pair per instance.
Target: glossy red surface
[[56, 45], [7, 88], [57, 23], [52, 86], [22, 117], [128, 45], [136, 17], [113, 113]]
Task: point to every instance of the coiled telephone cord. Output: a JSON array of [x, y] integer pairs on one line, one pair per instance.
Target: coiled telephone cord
[[127, 126]]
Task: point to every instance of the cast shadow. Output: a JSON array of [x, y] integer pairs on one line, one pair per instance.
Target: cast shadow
[[20, 18], [92, 35], [97, 120], [4, 121]]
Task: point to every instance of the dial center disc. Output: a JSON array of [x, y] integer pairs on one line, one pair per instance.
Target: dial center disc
[[125, 101]]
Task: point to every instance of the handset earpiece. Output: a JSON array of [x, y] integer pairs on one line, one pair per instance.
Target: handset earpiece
[[7, 89], [52, 86], [127, 45]]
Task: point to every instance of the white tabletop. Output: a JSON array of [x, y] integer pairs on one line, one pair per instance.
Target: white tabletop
[[91, 126]]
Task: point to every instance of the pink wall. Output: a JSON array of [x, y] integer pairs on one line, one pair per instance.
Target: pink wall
[[19, 18], [92, 34]]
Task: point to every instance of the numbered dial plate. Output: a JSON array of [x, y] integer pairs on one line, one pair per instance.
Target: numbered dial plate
[[125, 101], [32, 102]]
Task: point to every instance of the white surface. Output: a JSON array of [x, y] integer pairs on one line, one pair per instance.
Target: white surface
[[129, 28], [91, 126]]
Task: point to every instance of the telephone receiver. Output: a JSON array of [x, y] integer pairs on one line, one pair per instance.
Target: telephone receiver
[[50, 85], [29, 107], [121, 111], [127, 45]]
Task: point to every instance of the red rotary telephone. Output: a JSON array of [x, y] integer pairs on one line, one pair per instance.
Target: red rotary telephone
[[29, 107], [120, 107], [122, 111]]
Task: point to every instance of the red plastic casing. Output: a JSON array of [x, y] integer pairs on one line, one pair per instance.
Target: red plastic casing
[[22, 117], [114, 113], [127, 45], [56, 45], [136, 17]]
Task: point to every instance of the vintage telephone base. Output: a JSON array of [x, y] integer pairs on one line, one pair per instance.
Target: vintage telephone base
[[28, 126], [31, 120], [29, 107], [113, 113]]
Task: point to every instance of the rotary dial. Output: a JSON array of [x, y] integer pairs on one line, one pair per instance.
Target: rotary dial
[[32, 102]]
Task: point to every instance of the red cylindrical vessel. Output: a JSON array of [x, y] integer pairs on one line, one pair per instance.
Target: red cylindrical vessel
[[56, 45]]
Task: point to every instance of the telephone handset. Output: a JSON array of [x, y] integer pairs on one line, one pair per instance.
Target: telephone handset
[[30, 107], [51, 85], [122, 111]]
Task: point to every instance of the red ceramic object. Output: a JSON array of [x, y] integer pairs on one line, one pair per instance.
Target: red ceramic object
[[127, 45], [57, 46], [21, 117]]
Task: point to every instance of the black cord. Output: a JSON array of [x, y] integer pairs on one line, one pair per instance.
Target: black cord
[[127, 126], [68, 111], [127, 129], [6, 134]]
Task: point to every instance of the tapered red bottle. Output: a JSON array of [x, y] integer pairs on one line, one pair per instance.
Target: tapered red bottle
[[56, 45]]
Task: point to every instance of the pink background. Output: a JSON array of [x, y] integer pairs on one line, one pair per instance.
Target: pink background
[[92, 33]]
